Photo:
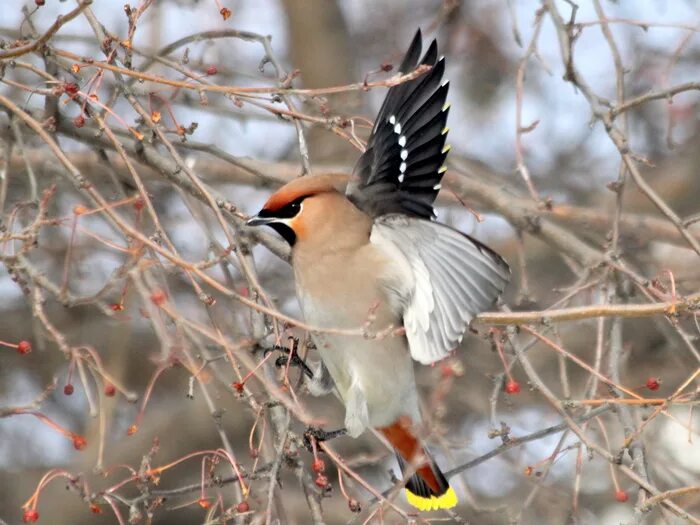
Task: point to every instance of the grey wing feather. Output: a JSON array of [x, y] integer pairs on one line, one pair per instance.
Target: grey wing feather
[[443, 279]]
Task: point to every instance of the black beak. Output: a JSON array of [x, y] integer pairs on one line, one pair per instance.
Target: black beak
[[276, 223], [260, 221]]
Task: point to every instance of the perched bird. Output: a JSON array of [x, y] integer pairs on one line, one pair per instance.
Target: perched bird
[[366, 247]]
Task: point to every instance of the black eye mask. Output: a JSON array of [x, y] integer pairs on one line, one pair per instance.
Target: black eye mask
[[285, 212], [288, 211], [285, 231]]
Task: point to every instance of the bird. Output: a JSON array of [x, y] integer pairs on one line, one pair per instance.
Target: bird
[[367, 248]]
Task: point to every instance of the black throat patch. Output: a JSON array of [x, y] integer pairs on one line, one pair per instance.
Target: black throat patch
[[285, 231]]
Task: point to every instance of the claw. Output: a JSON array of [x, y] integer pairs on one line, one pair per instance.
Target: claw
[[314, 435], [291, 357]]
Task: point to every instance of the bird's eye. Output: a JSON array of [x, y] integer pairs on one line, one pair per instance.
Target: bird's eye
[[290, 210]]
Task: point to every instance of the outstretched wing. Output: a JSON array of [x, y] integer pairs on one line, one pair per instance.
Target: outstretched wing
[[443, 279], [401, 169]]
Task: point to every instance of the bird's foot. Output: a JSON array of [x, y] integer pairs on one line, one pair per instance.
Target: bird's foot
[[313, 435], [290, 356]]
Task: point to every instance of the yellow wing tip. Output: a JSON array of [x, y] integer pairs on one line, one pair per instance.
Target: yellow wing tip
[[444, 501]]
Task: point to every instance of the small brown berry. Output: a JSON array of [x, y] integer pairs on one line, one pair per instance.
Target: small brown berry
[[79, 121], [39, 2], [243, 506], [132, 430], [512, 387], [207, 299], [24, 347], [354, 505], [68, 389], [225, 13], [621, 496]]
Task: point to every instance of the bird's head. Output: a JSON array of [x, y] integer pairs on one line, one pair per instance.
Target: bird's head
[[293, 210]]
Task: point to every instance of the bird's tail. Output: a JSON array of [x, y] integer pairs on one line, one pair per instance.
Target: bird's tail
[[427, 489]]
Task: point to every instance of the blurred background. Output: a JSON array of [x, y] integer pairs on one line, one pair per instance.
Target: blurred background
[[124, 336]]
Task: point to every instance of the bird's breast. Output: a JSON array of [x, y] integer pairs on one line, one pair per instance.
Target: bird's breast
[[345, 289]]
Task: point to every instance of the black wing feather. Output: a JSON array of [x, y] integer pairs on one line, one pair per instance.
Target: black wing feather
[[401, 169], [421, 92]]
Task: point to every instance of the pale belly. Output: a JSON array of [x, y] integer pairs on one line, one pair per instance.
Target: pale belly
[[372, 375]]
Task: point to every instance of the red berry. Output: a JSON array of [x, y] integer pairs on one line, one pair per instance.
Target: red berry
[[212, 70], [71, 88], [30, 516], [139, 204], [318, 465], [653, 383], [68, 389], [242, 507], [204, 503], [24, 347], [110, 390], [238, 386], [621, 496], [79, 121], [39, 2], [116, 307], [512, 387], [321, 481], [95, 508], [131, 430], [225, 13], [79, 442], [158, 297]]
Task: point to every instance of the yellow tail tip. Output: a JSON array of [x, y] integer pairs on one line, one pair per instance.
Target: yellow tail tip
[[444, 501]]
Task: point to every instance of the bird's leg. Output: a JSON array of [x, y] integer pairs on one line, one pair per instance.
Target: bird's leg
[[290, 356], [313, 435]]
